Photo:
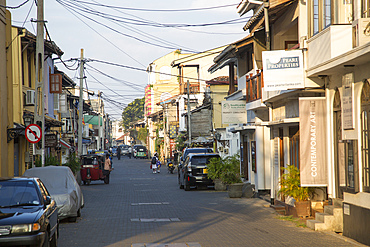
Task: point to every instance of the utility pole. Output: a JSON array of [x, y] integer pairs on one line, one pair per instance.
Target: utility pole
[[99, 140], [81, 105], [39, 111], [266, 5], [189, 116]]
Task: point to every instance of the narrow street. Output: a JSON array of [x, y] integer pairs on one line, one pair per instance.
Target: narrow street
[[139, 208]]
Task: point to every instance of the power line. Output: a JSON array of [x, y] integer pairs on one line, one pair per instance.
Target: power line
[[158, 10], [15, 7]]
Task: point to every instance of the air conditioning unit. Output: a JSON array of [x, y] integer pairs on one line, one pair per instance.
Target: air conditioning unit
[[30, 97], [360, 32]]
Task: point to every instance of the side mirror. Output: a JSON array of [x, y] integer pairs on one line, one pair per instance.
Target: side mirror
[[47, 200]]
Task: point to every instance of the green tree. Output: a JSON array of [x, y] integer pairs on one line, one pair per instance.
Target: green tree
[[142, 134], [133, 112]]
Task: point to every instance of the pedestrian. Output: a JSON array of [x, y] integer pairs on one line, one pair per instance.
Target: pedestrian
[[119, 152], [129, 151], [107, 167], [175, 157], [158, 164], [153, 164]]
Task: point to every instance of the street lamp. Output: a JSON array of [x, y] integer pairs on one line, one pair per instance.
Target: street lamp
[[27, 119]]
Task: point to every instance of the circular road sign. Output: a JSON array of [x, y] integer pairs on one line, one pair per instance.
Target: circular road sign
[[33, 133]]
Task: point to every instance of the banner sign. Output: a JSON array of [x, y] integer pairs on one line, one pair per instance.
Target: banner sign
[[233, 112], [312, 136], [347, 102], [282, 70]]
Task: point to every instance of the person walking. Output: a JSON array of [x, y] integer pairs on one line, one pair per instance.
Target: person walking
[[129, 151], [153, 164], [119, 152], [175, 157], [107, 167]]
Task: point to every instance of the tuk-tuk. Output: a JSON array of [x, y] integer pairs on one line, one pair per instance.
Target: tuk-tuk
[[92, 166], [140, 151]]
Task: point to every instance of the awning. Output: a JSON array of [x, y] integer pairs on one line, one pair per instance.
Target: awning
[[65, 144], [242, 128]]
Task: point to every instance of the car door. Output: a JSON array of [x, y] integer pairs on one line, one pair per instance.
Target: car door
[[50, 209]]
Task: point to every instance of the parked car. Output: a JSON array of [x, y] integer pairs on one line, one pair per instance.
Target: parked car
[[188, 151], [114, 151], [63, 188], [124, 149], [193, 171], [28, 215], [140, 151]]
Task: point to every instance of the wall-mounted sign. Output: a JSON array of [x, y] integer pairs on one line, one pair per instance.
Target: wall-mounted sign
[[347, 102], [233, 112], [312, 140], [282, 70], [50, 140]]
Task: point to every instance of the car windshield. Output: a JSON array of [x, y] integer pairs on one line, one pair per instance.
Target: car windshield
[[18, 193], [200, 150], [201, 160]]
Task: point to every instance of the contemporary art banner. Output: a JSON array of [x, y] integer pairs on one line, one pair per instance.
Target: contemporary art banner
[[233, 112], [282, 70], [312, 122]]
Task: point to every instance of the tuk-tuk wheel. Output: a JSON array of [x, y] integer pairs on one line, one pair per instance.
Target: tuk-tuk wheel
[[84, 182], [88, 182]]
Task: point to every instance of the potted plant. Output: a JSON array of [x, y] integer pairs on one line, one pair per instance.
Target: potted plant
[[231, 176], [291, 186], [215, 168]]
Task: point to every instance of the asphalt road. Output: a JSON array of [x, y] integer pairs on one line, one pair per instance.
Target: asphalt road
[[141, 209]]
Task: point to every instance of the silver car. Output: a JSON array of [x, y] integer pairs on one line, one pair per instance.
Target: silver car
[[63, 188]]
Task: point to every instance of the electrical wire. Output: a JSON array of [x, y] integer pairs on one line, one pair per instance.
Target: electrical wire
[[14, 7], [158, 10]]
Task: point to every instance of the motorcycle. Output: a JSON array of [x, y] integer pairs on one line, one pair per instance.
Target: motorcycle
[[170, 166]]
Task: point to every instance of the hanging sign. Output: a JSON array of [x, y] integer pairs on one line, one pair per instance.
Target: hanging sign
[[312, 140], [33, 133], [282, 70]]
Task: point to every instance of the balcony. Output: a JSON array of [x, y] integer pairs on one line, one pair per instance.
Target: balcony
[[194, 88], [326, 45], [254, 85]]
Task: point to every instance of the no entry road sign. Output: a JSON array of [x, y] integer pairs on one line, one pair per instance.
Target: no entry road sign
[[33, 133]]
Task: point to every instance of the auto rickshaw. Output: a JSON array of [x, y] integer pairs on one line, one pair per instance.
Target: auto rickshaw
[[92, 166]]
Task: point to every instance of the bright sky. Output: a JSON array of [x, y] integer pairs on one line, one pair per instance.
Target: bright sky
[[123, 32]]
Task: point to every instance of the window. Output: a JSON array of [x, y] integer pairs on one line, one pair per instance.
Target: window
[[294, 145], [365, 128], [365, 8], [324, 13]]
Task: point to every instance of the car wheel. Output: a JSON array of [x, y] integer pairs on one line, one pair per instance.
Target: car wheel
[[186, 185], [54, 240], [72, 219], [47, 240], [79, 213]]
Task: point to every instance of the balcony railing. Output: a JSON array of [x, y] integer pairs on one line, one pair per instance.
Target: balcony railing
[[194, 88], [254, 85]]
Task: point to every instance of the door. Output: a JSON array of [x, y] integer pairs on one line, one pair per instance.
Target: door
[[16, 158]]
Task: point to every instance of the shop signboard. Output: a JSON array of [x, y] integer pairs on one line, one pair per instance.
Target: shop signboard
[[233, 112], [282, 70]]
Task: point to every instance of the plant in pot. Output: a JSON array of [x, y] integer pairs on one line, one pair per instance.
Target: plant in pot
[[231, 176], [291, 186], [215, 169]]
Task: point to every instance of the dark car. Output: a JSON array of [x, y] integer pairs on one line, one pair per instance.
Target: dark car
[[193, 172], [188, 151], [28, 215]]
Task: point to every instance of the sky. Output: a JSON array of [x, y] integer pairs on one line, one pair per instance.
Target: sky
[[129, 35]]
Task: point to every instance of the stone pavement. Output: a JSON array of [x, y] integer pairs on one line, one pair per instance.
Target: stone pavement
[[142, 209]]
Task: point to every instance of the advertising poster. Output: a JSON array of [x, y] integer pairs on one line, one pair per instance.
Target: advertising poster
[[312, 126]]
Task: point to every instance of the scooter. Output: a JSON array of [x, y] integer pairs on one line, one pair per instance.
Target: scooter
[[170, 166]]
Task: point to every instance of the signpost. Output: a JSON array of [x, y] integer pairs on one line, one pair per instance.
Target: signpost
[[33, 133]]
